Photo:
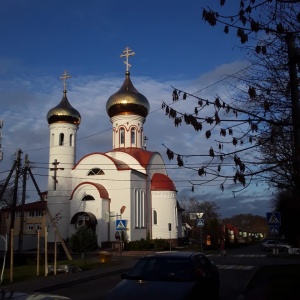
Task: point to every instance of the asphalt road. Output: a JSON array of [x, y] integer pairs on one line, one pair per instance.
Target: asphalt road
[[236, 269]]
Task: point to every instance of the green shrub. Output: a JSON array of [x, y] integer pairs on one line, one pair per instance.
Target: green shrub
[[83, 240], [161, 244], [142, 244], [147, 244]]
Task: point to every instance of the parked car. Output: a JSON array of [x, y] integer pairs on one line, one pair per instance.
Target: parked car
[[273, 244], [169, 275], [266, 239]]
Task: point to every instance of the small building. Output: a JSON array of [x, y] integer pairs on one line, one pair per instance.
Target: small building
[[34, 222]]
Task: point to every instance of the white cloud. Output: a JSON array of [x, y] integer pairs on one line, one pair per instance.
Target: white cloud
[[26, 103]]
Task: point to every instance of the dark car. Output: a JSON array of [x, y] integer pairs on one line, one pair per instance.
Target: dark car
[[169, 275]]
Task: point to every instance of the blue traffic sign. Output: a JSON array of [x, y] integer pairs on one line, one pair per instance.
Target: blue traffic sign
[[120, 224], [274, 218], [274, 229], [200, 222]]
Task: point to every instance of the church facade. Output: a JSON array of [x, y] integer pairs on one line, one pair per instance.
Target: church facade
[[124, 189]]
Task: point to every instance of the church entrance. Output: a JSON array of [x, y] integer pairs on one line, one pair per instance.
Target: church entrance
[[87, 219]]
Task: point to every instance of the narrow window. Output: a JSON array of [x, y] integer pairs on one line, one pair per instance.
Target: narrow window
[[154, 217], [122, 136], [71, 139], [142, 209], [61, 139], [176, 216], [132, 136], [52, 139], [139, 209]]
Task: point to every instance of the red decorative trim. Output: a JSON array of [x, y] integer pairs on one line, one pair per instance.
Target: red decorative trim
[[101, 189]]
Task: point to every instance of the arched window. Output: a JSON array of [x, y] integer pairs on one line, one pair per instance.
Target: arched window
[[88, 198], [154, 217], [95, 171], [61, 139], [122, 136], [133, 136], [71, 139]]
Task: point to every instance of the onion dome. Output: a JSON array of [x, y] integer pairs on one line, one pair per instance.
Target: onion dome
[[161, 182], [64, 112], [127, 101]]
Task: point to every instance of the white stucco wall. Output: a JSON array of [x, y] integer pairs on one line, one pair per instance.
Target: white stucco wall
[[164, 203]]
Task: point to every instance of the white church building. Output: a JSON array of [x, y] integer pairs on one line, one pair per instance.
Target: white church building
[[126, 188]]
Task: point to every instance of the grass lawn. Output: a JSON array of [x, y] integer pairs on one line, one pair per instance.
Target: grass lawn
[[29, 270]]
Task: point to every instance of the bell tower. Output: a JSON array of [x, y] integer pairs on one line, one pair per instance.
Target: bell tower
[[127, 110], [63, 122]]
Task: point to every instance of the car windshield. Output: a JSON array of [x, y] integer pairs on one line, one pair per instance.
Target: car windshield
[[163, 269]]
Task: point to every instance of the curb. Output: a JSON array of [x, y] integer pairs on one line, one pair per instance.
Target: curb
[[64, 284]]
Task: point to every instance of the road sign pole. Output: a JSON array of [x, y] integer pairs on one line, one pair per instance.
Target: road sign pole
[[169, 227], [201, 242], [200, 223]]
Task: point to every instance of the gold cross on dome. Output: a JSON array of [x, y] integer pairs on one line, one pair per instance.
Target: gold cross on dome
[[127, 52], [64, 77]]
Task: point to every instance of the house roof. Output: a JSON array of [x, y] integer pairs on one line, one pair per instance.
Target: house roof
[[38, 205]]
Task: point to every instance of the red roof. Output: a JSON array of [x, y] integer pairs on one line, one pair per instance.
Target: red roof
[[101, 189], [161, 182], [141, 155], [120, 165]]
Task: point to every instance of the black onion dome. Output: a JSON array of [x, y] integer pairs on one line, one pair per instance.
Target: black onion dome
[[64, 112], [127, 101]]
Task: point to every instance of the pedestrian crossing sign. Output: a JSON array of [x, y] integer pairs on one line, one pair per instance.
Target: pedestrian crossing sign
[[120, 224], [274, 229], [200, 222], [273, 218]]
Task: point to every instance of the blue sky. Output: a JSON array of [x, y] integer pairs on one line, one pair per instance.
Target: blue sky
[[173, 46]]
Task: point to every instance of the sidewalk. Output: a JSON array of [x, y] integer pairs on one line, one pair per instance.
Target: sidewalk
[[44, 283]]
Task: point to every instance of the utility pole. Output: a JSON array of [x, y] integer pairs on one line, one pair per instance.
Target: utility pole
[[15, 195], [50, 217], [293, 56], [7, 180], [21, 233]]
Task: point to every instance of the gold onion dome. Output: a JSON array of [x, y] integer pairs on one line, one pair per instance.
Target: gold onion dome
[[127, 101], [64, 112]]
